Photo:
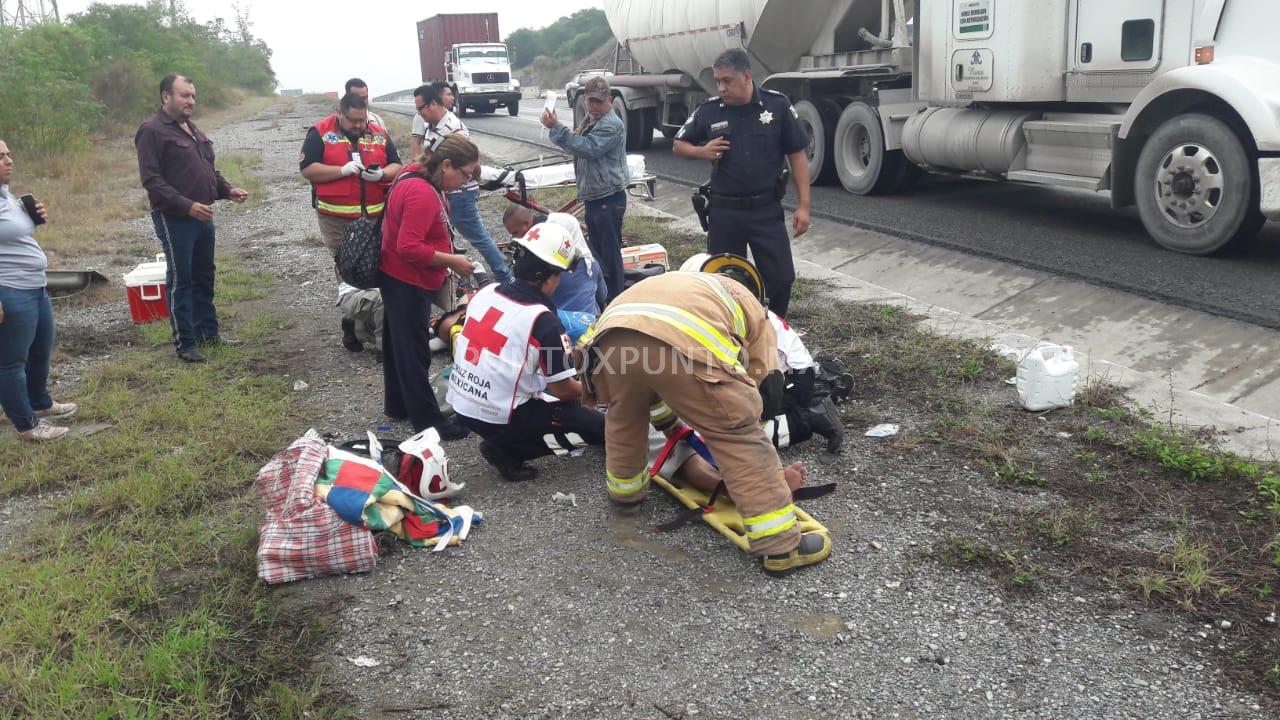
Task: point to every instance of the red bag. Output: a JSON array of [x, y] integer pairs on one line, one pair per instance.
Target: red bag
[[301, 536]]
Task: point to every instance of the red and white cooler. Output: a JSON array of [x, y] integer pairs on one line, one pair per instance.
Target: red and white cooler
[[145, 288]]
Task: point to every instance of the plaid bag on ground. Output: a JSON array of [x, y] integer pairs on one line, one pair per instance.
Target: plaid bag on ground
[[301, 536]]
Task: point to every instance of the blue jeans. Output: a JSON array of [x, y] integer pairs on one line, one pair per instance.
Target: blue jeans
[[604, 228], [26, 343], [188, 252], [466, 218]]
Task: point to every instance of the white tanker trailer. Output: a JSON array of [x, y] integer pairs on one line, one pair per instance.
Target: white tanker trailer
[[1170, 105]]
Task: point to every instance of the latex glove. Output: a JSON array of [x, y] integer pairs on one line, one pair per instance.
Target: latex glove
[[353, 167], [372, 175]]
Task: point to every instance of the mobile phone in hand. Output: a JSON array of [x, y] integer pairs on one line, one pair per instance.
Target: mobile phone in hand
[[29, 204], [375, 166]]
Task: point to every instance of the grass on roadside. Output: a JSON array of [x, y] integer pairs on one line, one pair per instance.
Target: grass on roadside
[[1099, 493], [137, 596]]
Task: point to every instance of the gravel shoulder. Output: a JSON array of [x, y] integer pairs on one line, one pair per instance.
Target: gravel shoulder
[[555, 611]]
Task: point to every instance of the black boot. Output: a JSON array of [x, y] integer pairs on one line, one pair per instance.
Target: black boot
[[825, 420], [349, 340], [508, 467]]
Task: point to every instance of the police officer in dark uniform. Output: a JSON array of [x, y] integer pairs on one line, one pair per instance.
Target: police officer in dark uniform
[[746, 133]]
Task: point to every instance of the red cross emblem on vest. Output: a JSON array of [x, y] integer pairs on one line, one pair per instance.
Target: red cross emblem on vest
[[482, 335]]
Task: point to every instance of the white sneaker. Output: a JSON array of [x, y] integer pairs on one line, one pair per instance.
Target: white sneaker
[[58, 410], [43, 432]]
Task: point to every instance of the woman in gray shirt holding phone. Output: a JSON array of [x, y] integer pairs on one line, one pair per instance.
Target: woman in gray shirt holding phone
[[26, 316]]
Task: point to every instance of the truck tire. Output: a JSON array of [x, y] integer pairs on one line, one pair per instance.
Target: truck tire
[[648, 117], [634, 122], [863, 164], [1196, 187], [820, 118], [514, 108]]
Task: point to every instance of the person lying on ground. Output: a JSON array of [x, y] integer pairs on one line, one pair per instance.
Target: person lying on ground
[[686, 465]]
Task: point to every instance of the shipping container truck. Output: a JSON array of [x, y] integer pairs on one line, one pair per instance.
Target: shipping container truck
[[466, 51], [1169, 105]]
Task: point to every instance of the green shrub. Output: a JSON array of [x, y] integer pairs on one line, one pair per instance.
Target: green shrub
[[101, 70]]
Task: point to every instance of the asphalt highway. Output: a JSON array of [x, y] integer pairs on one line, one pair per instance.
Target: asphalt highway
[[1072, 234]]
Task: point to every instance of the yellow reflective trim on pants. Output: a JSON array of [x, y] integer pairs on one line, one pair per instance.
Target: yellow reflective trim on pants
[[347, 209], [659, 413], [735, 309], [762, 526], [688, 323], [627, 486]]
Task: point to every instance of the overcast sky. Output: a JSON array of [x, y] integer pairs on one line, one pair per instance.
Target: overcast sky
[[310, 54]]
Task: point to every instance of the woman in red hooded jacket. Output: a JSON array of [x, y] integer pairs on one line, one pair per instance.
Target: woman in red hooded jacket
[[417, 257]]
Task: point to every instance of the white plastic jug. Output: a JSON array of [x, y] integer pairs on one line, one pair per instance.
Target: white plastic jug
[[1047, 378]]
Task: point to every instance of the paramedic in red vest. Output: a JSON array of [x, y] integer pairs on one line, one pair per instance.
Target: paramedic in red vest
[[513, 380], [338, 157], [341, 154]]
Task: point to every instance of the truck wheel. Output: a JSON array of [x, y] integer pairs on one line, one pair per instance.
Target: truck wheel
[[1196, 187], [634, 122], [863, 164], [514, 108], [647, 116], [462, 108], [819, 118]]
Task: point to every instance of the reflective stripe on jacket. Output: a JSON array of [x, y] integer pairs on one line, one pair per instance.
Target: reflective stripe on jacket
[[342, 197]]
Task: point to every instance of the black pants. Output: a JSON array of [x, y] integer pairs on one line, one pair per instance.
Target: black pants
[[604, 235], [540, 428], [406, 355], [796, 400], [764, 230]]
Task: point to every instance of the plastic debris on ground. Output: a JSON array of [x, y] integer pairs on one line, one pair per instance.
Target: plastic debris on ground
[[883, 430], [364, 662], [570, 499]]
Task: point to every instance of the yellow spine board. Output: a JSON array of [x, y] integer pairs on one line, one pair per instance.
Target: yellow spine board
[[724, 517]]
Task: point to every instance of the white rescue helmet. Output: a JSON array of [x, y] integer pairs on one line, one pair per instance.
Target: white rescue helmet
[[551, 244], [735, 266]]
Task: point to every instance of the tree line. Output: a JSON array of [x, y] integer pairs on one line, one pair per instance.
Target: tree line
[[568, 38], [100, 69]]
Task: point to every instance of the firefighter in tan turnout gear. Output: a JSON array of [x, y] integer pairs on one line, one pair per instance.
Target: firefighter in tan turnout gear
[[698, 347]]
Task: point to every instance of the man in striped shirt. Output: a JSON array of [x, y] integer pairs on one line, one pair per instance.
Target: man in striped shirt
[[439, 122]]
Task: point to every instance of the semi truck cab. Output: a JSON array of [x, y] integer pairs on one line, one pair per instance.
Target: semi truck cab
[[480, 75]]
